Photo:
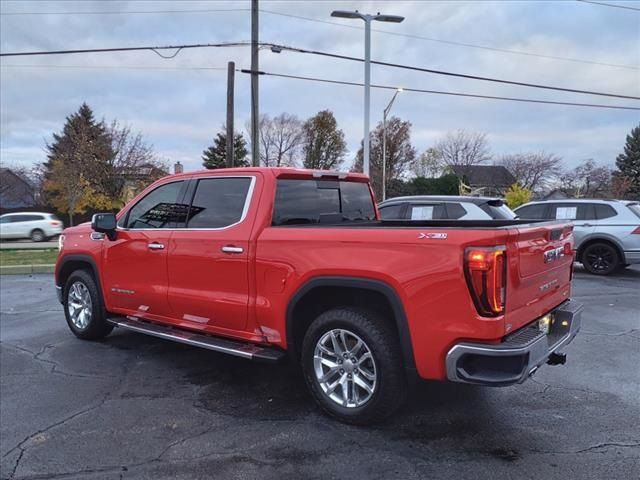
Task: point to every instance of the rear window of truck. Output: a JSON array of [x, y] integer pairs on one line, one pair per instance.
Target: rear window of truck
[[322, 201]]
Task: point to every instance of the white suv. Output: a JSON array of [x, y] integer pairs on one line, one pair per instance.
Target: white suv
[[607, 232], [34, 225]]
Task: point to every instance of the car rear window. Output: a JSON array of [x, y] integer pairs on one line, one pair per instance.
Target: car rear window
[[322, 201], [455, 211], [604, 211], [635, 208]]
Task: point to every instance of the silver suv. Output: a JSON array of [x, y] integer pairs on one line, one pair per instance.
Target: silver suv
[[439, 207], [607, 232]]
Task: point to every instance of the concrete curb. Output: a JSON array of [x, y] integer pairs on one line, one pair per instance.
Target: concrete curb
[[25, 269]]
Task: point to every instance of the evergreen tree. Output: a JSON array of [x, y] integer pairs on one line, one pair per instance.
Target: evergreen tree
[[78, 166], [323, 145], [628, 164], [216, 155]]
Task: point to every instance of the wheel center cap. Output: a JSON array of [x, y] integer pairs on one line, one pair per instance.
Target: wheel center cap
[[349, 366]]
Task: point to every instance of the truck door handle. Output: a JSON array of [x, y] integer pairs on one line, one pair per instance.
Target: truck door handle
[[232, 249], [156, 246]]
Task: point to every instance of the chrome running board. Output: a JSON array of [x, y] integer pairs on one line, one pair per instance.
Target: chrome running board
[[217, 344]]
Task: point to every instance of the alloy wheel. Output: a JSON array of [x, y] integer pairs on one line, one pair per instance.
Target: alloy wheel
[[345, 368], [601, 258], [79, 305]]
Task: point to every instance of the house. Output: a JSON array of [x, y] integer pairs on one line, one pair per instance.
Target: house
[[15, 191], [484, 180], [139, 177]]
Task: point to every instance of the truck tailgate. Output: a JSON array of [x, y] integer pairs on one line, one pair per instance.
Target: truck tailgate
[[540, 278]]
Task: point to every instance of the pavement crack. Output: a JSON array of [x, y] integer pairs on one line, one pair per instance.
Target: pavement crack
[[620, 334], [608, 444], [547, 386]]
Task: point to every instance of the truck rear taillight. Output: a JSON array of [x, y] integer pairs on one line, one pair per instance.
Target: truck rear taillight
[[485, 269]]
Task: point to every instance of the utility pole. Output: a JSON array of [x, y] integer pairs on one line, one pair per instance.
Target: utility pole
[[231, 73], [255, 112]]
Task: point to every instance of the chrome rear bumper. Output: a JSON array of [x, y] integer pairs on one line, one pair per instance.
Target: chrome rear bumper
[[518, 356]]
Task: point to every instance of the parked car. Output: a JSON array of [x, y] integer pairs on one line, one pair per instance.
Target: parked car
[[607, 232], [34, 225], [264, 263], [428, 207]]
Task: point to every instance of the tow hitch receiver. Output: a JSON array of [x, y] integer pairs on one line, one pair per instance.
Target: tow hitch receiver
[[557, 359]]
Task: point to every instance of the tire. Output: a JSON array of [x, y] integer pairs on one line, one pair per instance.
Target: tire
[[600, 258], [388, 389], [84, 308], [37, 235]]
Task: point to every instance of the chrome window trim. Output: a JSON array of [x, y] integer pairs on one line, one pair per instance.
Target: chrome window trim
[[243, 216]]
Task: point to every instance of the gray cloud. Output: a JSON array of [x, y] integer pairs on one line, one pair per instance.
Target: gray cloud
[[179, 111]]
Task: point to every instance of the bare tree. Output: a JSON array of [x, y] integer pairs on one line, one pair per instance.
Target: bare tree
[[587, 180], [280, 140], [463, 149], [533, 170]]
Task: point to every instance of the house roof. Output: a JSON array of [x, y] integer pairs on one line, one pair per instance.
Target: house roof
[[485, 175]]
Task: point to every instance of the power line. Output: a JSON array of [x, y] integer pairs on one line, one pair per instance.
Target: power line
[[110, 67], [178, 48], [126, 12], [440, 92], [603, 4], [324, 54], [451, 42], [453, 74]]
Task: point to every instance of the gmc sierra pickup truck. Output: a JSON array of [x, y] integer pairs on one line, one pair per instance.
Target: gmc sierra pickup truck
[[265, 263]]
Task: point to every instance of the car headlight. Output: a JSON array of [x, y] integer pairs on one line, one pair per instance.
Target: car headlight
[[60, 242]]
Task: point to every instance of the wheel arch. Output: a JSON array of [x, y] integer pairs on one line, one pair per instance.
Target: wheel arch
[[311, 299], [600, 239], [71, 263]]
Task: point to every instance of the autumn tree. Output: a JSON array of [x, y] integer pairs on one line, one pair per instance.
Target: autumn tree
[[428, 165], [628, 164], [280, 140], [533, 170], [463, 149], [517, 195], [78, 160], [323, 144], [400, 153], [216, 155]]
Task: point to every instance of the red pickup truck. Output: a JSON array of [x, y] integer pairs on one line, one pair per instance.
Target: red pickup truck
[[265, 263]]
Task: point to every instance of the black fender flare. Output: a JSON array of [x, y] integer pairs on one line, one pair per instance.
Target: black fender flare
[[80, 259], [378, 286]]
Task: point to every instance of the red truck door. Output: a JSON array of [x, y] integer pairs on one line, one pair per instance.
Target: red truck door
[[208, 264], [135, 264]]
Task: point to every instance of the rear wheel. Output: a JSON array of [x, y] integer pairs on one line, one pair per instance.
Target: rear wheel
[[83, 307], [600, 258], [37, 235], [351, 360]]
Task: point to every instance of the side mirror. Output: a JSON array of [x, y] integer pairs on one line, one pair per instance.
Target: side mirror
[[105, 223]]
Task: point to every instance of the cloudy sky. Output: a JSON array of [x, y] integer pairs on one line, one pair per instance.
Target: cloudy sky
[[179, 104]]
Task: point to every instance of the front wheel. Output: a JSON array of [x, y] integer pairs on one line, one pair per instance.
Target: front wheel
[[600, 258], [83, 307], [352, 364]]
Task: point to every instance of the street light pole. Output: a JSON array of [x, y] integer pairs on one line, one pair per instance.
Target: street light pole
[[367, 68], [384, 144]]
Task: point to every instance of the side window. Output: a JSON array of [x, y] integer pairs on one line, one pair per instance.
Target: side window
[[455, 211], [574, 211], [427, 212], [158, 209], [19, 218], [218, 202], [604, 211], [392, 212], [5, 220], [532, 212]]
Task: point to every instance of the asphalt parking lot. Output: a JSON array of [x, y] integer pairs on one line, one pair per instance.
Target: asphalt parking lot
[[139, 407]]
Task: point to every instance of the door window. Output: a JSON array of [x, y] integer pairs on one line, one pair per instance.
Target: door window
[[158, 209], [219, 202], [532, 212], [392, 212], [573, 211], [604, 211]]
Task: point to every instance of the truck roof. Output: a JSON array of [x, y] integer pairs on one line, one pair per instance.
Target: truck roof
[[279, 172]]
